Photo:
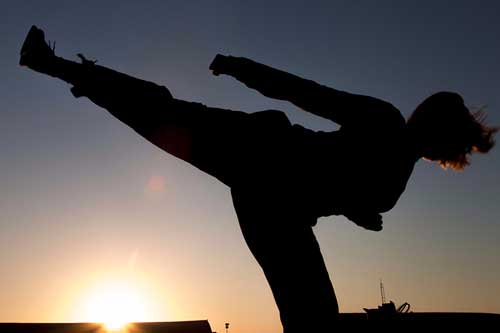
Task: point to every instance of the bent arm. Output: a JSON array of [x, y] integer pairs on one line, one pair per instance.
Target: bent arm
[[339, 106]]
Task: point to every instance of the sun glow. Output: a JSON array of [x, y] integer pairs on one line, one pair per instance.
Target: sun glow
[[115, 305]]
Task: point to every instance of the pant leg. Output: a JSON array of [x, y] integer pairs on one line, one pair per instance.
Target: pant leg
[[289, 254], [223, 143]]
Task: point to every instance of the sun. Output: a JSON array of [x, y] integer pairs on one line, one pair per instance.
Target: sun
[[115, 305]]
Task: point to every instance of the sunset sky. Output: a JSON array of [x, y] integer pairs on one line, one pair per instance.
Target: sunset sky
[[87, 205]]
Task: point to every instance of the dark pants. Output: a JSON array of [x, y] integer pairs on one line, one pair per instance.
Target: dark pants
[[248, 152]]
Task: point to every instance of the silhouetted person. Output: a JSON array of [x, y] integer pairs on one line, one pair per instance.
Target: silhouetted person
[[283, 177]]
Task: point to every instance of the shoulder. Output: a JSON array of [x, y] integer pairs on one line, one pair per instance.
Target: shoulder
[[377, 116], [395, 115], [385, 114]]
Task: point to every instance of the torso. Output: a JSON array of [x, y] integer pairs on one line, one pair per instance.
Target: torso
[[367, 169], [328, 173]]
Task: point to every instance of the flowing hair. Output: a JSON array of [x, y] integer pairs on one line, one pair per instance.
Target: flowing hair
[[450, 132]]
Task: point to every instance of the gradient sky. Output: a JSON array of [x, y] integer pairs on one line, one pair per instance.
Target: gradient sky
[[85, 200]]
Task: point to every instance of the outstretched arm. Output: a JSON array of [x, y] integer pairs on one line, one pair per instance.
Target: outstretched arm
[[339, 106]]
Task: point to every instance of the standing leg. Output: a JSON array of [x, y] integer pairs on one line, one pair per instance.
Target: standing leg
[[290, 257]]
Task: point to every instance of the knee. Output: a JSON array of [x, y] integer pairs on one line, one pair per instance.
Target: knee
[[155, 96], [165, 92]]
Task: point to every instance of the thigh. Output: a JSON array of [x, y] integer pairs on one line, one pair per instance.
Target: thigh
[[224, 143], [221, 142]]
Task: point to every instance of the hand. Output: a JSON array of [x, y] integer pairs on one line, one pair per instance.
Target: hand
[[228, 65], [217, 64]]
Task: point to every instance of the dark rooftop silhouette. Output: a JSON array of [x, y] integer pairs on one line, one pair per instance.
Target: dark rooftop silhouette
[[198, 326], [476, 322]]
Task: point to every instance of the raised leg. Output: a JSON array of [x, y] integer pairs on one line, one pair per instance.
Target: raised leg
[[218, 141]]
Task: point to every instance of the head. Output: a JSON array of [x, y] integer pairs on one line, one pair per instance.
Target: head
[[444, 130]]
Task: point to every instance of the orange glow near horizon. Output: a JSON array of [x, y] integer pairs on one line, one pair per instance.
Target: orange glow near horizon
[[115, 305]]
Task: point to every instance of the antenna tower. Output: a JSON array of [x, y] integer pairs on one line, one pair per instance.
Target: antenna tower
[[382, 291]]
